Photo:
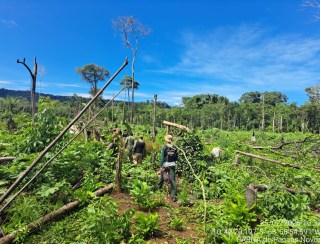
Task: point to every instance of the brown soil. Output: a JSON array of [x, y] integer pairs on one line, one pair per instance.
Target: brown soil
[[166, 234]]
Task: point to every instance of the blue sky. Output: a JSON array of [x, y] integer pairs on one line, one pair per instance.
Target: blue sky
[[224, 47]]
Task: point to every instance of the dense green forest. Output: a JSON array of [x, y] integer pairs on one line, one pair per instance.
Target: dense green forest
[[268, 111]]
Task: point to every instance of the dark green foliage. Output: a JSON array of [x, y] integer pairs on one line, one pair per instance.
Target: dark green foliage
[[144, 196], [146, 224], [191, 144], [45, 127], [104, 225]]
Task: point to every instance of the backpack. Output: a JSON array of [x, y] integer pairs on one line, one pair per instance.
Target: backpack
[[170, 154]]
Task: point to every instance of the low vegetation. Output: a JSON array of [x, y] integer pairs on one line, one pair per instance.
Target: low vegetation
[[214, 202]]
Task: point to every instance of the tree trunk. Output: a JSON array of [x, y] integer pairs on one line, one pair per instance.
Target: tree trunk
[[262, 123], [112, 109], [154, 118], [273, 121], [132, 100], [118, 170]]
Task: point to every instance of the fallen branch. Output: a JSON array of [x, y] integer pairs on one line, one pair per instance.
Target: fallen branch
[[284, 144], [293, 191], [267, 159], [260, 147], [53, 215]]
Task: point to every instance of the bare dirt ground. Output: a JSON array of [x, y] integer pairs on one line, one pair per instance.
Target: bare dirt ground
[[189, 234]]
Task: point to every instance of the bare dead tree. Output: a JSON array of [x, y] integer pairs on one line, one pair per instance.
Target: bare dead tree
[[33, 82], [131, 30]]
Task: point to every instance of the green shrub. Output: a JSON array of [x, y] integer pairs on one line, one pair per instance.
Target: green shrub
[[146, 224]]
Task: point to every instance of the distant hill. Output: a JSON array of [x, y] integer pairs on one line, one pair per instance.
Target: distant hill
[[26, 94]]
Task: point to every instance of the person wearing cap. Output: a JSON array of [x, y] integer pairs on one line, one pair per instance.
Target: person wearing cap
[[168, 158]]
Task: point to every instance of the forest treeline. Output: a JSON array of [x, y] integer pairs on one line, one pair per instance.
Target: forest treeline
[[267, 111]]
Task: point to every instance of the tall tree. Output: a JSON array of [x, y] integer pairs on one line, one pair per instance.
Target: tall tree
[[273, 98], [314, 93], [250, 97], [93, 74], [127, 83], [131, 30]]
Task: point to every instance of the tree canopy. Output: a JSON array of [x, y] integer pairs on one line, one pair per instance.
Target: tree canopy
[[93, 74]]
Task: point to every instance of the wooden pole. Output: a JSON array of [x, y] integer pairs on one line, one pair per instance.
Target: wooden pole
[[154, 118]]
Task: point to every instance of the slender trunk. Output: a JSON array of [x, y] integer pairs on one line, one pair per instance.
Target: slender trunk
[[118, 170], [112, 110], [132, 100], [262, 124], [273, 121], [154, 118]]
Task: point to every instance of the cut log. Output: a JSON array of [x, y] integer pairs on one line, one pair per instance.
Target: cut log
[[251, 193], [53, 215], [6, 159], [176, 125]]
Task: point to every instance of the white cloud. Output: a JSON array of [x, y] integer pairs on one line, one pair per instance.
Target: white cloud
[[9, 23], [231, 61], [4, 82]]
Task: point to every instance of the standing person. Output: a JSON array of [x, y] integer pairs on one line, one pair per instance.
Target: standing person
[[129, 144], [139, 150], [168, 158]]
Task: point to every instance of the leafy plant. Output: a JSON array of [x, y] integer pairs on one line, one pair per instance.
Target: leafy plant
[[238, 213], [282, 204], [183, 195], [143, 195], [105, 224], [146, 224], [176, 223]]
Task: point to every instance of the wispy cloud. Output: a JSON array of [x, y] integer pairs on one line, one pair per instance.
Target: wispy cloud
[[248, 58], [64, 84], [4, 82], [8, 23]]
